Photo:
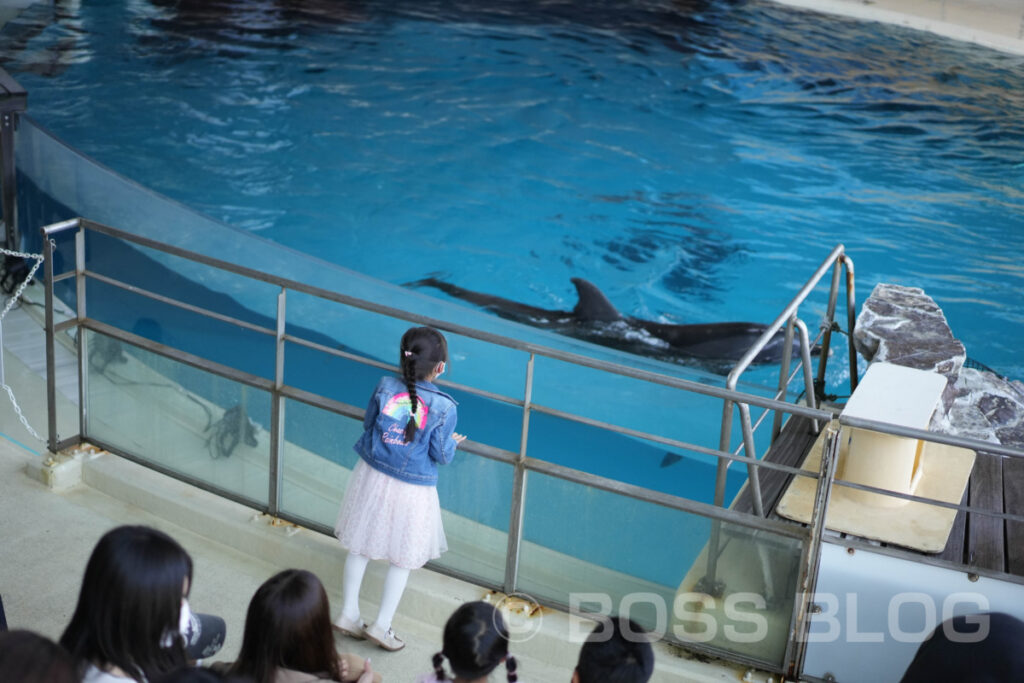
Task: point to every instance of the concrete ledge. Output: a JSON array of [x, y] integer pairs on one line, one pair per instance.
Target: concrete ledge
[[989, 24], [58, 472]]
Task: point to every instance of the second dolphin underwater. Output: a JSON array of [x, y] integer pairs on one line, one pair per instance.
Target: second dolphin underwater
[[596, 320]]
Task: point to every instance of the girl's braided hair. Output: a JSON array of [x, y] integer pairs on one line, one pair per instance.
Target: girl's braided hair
[[475, 643], [438, 661], [422, 348]]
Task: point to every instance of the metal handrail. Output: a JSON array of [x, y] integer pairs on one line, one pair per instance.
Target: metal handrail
[[261, 383], [787, 317], [279, 391], [811, 536], [690, 386]]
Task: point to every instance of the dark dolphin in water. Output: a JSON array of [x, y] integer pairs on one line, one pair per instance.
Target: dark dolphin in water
[[595, 319]]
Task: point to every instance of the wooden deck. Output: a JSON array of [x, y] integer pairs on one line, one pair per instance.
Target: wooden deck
[[976, 540], [997, 483]]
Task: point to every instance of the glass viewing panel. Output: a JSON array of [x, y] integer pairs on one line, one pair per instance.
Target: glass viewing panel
[[476, 500], [67, 389], [189, 421], [182, 279], [349, 329], [336, 378], [668, 412], [628, 459], [221, 342], [613, 398], [606, 553], [316, 462], [33, 402], [65, 292], [758, 573]]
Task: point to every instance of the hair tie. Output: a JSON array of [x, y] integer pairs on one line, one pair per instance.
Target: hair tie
[[438, 660], [510, 668], [407, 353]]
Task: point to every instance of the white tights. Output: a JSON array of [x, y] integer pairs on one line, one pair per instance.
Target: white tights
[[394, 586]]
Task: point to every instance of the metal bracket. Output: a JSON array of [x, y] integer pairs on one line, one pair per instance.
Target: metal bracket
[[710, 586]]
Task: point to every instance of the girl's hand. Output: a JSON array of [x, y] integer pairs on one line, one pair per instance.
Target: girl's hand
[[459, 438]]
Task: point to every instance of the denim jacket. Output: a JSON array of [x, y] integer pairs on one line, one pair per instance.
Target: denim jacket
[[382, 444]]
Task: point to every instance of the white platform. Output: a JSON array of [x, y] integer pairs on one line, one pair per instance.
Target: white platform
[[919, 526]]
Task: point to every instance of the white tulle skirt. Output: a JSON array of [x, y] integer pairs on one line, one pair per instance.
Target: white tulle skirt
[[384, 518]]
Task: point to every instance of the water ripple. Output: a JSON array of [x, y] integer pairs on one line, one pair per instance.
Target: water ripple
[[695, 157]]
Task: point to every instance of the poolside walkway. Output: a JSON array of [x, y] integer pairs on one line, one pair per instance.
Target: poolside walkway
[[997, 24], [12, 8]]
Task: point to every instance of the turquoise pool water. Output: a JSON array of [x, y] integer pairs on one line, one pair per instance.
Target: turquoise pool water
[[696, 160]]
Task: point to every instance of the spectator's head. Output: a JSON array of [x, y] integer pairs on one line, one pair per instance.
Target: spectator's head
[[981, 648], [616, 651], [28, 657], [288, 625], [475, 643], [129, 608]]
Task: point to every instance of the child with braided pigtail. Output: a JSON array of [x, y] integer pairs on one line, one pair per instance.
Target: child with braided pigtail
[[409, 375], [475, 643], [391, 510]]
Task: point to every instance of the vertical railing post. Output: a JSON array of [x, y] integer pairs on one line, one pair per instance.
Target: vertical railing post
[[796, 647], [83, 339], [787, 358], [709, 584], [851, 320], [8, 178], [753, 479], [515, 522], [805, 357], [51, 368], [830, 316], [277, 412]]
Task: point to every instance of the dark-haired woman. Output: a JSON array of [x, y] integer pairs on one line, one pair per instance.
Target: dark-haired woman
[[391, 511], [288, 636], [475, 643], [132, 608]]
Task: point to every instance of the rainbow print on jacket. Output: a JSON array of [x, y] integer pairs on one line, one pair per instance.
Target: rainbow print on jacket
[[398, 405]]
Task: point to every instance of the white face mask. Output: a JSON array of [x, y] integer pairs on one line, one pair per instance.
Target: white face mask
[[185, 619], [184, 626]]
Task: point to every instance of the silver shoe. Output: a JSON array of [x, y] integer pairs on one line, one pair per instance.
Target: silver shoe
[[349, 627], [385, 639]]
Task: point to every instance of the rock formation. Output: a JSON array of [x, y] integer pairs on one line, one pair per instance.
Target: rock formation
[[905, 326]]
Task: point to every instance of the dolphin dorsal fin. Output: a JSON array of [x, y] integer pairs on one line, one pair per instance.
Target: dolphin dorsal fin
[[593, 305]]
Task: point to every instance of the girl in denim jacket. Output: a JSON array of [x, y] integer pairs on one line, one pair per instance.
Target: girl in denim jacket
[[391, 510]]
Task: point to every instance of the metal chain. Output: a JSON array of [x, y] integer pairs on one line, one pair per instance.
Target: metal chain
[[10, 304], [28, 278], [21, 416]]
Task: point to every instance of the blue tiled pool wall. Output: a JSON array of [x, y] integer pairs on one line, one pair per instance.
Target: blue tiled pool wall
[[642, 550]]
